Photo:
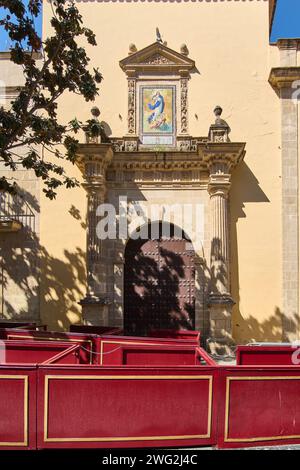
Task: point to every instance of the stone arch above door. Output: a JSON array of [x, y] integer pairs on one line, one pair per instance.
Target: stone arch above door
[[159, 282]]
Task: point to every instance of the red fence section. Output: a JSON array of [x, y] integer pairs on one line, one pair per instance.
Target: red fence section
[[18, 407], [267, 355], [110, 344], [32, 352], [126, 407], [139, 401], [90, 343], [259, 406]]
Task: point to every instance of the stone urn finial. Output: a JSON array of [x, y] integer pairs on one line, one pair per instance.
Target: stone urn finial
[[218, 113], [184, 50], [95, 111], [132, 49], [219, 131], [94, 130]]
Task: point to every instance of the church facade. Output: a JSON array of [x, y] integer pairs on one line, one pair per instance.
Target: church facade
[[187, 215]]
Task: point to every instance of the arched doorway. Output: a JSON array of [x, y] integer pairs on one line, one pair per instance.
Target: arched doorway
[[159, 282]]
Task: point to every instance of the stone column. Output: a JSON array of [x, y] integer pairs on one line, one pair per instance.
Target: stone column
[[221, 157], [290, 216], [220, 301], [93, 161], [286, 81]]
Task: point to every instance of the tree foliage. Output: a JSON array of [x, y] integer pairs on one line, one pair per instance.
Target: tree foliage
[[51, 66]]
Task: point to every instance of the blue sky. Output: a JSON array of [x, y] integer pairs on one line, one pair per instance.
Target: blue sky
[[4, 40], [286, 22]]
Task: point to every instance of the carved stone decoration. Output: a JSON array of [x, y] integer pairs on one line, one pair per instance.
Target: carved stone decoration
[[118, 145], [184, 105], [158, 59], [185, 145], [131, 106], [131, 146]]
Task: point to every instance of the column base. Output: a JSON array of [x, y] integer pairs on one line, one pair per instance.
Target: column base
[[95, 310], [220, 342]]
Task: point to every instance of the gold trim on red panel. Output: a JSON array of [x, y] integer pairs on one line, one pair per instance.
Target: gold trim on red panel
[[227, 410], [25, 441], [124, 377]]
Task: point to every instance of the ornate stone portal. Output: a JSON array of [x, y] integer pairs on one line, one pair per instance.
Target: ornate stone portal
[[157, 162]]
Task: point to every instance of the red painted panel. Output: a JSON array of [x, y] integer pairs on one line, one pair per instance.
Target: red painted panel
[[158, 355], [29, 352], [259, 406], [71, 355], [109, 345], [17, 408], [126, 408], [89, 342], [267, 355]]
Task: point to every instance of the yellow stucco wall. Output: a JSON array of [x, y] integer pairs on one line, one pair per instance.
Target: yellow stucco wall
[[229, 43]]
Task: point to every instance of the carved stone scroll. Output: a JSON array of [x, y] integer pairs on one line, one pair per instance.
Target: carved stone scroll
[[184, 105], [131, 106]]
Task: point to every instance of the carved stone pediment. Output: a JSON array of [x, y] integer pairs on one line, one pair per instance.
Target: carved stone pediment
[[158, 59], [154, 57]]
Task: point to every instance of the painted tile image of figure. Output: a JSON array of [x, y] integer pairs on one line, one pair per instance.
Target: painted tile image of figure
[[158, 110], [157, 118]]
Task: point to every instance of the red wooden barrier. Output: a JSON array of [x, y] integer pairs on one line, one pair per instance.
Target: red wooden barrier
[[90, 343], [109, 343], [163, 355], [259, 406], [143, 403], [95, 406], [31, 352], [71, 355], [18, 407], [267, 355]]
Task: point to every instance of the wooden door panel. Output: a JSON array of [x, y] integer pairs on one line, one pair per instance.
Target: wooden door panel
[[159, 287]]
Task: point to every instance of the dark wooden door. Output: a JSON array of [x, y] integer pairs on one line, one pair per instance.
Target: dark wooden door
[[159, 285]]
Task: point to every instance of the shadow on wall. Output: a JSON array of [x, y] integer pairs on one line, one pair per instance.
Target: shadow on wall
[[24, 262], [250, 329], [246, 189]]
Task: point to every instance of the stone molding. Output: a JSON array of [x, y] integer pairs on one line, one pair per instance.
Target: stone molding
[[283, 77], [157, 58]]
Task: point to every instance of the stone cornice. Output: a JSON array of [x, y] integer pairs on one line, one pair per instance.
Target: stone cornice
[[158, 161], [283, 77], [10, 92], [288, 43], [228, 153], [5, 55], [93, 158]]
